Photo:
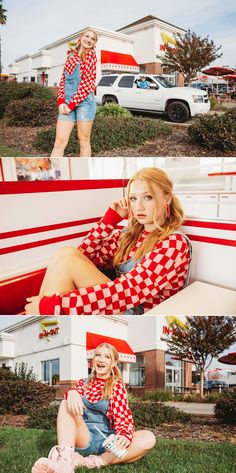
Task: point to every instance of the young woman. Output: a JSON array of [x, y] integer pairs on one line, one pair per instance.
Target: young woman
[[100, 402], [76, 99], [151, 257]]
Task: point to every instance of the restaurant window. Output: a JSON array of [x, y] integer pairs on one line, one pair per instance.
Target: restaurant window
[[50, 370], [173, 373], [137, 372]]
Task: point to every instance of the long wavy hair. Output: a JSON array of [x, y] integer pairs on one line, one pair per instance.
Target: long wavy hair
[[153, 178], [115, 373], [75, 46]]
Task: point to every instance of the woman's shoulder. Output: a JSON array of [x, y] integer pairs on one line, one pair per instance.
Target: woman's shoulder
[[118, 386], [90, 55]]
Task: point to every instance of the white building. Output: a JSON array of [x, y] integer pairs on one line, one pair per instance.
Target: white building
[[136, 47], [60, 350]]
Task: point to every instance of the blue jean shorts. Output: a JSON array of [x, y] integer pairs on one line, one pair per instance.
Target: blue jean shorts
[[95, 444], [85, 112]]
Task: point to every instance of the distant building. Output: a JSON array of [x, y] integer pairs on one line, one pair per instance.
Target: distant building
[[60, 350], [137, 47]]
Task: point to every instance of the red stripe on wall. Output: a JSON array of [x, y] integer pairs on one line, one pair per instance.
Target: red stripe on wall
[[30, 187], [35, 244], [215, 241], [47, 228], [215, 225], [1, 170], [229, 173]]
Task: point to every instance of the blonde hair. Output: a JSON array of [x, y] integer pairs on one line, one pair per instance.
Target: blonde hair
[[152, 177], [115, 373], [75, 46]]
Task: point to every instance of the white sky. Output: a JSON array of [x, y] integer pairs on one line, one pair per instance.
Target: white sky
[[33, 24]]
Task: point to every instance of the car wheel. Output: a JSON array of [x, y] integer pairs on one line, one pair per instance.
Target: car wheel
[[177, 112], [110, 100]]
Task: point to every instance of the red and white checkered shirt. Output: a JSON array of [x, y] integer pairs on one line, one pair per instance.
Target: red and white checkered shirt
[[118, 410], [88, 77], [160, 274]]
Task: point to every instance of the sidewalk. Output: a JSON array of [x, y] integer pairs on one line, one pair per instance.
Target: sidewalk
[[195, 408]]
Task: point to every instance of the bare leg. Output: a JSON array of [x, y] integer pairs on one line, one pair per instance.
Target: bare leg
[[71, 429], [142, 442], [63, 132], [84, 132], [69, 269]]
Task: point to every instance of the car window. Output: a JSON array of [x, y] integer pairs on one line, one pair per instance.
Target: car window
[[126, 81], [107, 81], [163, 81]]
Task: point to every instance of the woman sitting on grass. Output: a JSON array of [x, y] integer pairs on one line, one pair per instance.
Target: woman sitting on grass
[[99, 402], [151, 257]]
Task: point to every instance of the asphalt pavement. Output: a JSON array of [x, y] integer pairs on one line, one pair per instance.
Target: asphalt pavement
[[195, 408]]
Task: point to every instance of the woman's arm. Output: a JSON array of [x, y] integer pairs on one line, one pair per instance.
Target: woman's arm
[[61, 91], [88, 80], [100, 244], [119, 412], [154, 272]]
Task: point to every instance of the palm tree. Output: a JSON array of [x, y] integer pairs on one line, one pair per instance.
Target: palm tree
[[3, 17], [3, 20]]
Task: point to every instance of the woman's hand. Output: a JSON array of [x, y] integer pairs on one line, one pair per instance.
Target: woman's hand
[[120, 206], [64, 109], [33, 307], [122, 442], [74, 403]]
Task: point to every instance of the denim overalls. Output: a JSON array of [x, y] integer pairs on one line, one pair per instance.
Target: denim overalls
[[86, 110], [129, 264], [96, 414]]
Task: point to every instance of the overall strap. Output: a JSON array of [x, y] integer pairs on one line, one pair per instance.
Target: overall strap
[[178, 232]]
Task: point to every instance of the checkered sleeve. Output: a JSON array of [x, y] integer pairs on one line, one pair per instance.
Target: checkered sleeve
[[100, 244], [88, 79], [151, 275], [119, 412], [61, 91], [79, 387]]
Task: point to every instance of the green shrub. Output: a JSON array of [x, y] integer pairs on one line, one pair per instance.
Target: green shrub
[[214, 132], [213, 103], [20, 372], [146, 414], [160, 396], [151, 414], [225, 408], [109, 133], [43, 418], [31, 112], [112, 110], [10, 91], [20, 397]]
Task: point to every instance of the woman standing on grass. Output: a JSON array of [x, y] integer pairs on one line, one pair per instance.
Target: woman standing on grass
[[151, 257], [102, 402], [76, 99]]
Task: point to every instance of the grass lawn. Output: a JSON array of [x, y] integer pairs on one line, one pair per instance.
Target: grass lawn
[[10, 152], [19, 448]]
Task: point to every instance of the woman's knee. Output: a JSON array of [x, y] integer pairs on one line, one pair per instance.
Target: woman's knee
[[146, 440], [149, 440], [66, 251]]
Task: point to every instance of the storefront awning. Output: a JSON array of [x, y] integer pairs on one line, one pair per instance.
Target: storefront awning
[[125, 352], [119, 62]]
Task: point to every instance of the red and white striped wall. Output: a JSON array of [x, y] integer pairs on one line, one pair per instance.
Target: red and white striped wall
[[37, 217]]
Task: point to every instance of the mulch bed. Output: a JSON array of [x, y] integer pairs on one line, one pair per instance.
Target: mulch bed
[[177, 144], [199, 428]]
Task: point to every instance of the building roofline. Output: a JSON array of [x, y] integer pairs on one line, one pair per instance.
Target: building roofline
[[97, 29], [149, 19]]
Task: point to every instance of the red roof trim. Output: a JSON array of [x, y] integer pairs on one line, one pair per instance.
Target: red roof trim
[[111, 57]]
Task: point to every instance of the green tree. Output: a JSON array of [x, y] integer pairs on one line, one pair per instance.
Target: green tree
[[202, 339], [190, 54], [3, 17]]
